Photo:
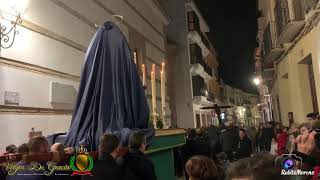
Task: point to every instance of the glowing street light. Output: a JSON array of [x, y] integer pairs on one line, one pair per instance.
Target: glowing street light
[[14, 7], [256, 81]]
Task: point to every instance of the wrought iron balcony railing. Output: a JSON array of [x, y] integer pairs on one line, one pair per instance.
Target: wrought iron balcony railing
[[290, 15]]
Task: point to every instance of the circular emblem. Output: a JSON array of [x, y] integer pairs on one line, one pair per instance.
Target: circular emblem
[[288, 164]]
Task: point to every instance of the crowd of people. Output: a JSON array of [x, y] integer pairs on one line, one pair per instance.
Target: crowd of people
[[251, 152], [134, 165], [210, 153]]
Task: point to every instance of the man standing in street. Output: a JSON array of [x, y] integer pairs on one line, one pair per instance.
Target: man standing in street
[[213, 137], [137, 165], [229, 140], [245, 146], [252, 135]]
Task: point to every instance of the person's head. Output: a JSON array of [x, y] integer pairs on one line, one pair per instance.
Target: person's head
[[229, 124], [305, 128], [11, 149], [57, 147], [109, 144], [259, 167], [312, 116], [242, 133], [200, 132], [285, 129], [201, 168], [290, 117], [38, 144], [23, 148], [192, 134], [137, 141]]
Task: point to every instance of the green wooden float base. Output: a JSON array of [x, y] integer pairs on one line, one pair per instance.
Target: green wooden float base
[[161, 152]]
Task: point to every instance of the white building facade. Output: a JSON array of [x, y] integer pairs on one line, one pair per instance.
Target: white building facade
[[196, 84]]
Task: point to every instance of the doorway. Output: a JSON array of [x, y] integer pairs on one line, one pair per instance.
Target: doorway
[[307, 61], [198, 121], [313, 88]]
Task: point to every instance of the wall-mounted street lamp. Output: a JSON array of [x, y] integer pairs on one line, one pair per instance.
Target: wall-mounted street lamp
[[10, 11], [257, 81]]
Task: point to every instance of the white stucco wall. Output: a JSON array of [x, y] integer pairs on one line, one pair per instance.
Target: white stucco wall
[[294, 92]]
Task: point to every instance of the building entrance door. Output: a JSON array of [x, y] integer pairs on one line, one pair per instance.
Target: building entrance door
[[313, 88], [198, 121]]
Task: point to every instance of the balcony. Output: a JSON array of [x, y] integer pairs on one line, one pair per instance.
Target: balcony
[[195, 37], [290, 15], [193, 21], [207, 69], [198, 66], [201, 94], [210, 97], [272, 50], [269, 76]]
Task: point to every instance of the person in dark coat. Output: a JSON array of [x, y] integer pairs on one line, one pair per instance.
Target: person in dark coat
[[200, 145], [213, 136], [106, 167], [137, 165], [265, 135], [245, 146], [229, 140]]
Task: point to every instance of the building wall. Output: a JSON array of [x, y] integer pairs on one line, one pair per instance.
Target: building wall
[[276, 106], [182, 92], [51, 46], [214, 85], [294, 92]]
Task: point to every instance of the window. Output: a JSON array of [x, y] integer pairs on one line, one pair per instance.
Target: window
[[195, 54], [193, 21], [313, 88]]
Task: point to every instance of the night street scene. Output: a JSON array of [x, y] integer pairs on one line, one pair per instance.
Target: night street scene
[[159, 89]]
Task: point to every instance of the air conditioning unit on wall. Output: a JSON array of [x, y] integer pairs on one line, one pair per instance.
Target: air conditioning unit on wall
[[62, 93]]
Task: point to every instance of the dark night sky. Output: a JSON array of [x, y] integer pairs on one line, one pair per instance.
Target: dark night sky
[[233, 29]]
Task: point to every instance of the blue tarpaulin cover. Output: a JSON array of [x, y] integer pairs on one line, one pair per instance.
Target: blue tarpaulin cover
[[110, 98]]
